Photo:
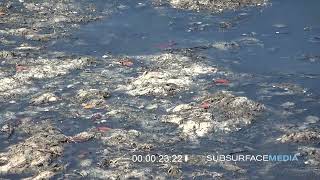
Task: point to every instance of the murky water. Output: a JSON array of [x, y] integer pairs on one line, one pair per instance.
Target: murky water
[[288, 41], [277, 44], [288, 34]]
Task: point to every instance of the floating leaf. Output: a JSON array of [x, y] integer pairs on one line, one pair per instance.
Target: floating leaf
[[20, 68], [222, 81], [126, 62], [103, 128], [2, 12], [205, 105], [88, 106]]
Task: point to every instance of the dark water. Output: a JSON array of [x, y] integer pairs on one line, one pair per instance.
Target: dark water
[[145, 30], [289, 36]]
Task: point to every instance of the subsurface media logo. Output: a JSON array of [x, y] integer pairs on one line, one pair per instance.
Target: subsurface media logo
[[254, 158]]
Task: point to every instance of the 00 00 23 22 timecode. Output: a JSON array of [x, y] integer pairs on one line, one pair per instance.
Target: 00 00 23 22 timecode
[[157, 158]]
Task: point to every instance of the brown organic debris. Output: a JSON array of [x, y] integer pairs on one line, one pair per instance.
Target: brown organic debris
[[301, 137], [223, 112], [126, 62], [44, 144], [81, 137], [213, 6]]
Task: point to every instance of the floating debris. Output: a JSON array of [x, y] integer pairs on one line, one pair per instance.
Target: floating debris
[[224, 112], [176, 75], [312, 154], [214, 6], [20, 68], [205, 105], [312, 119], [44, 99], [279, 25], [81, 137], [221, 81], [126, 62], [288, 105], [301, 137], [103, 129], [44, 144]]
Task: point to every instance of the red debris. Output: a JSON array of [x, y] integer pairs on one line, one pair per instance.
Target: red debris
[[103, 129], [205, 105], [2, 12], [222, 81], [20, 68], [126, 62]]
